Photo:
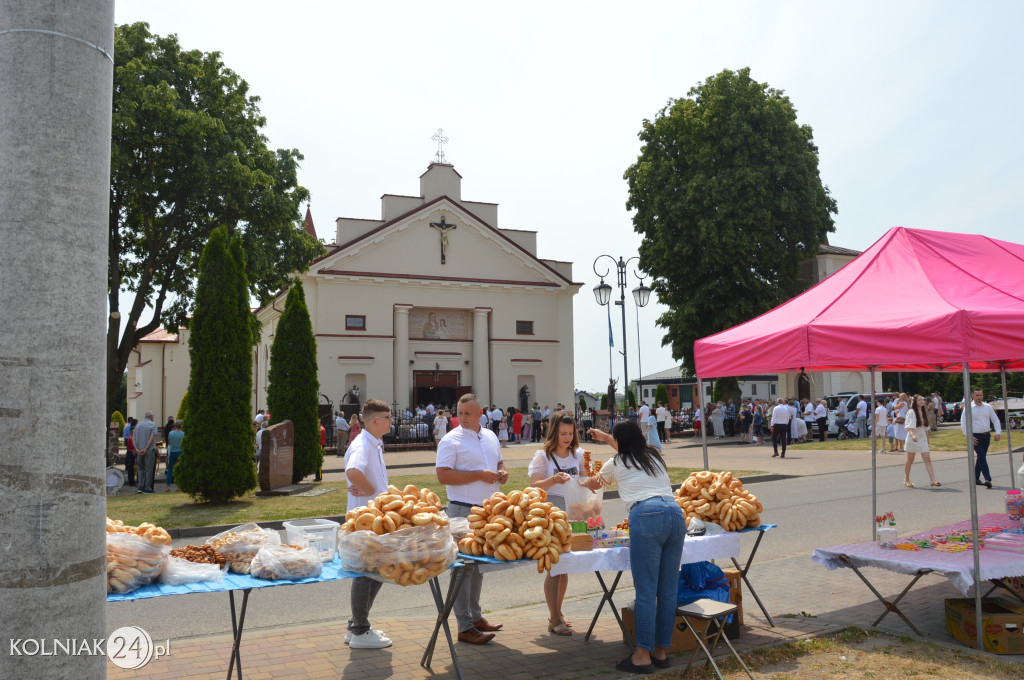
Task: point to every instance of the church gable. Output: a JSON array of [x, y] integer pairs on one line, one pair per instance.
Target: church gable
[[441, 240]]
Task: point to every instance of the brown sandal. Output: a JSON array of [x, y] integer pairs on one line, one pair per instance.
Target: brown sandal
[[559, 628], [936, 484], [909, 485]]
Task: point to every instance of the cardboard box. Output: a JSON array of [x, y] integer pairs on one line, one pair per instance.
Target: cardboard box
[[735, 596], [1003, 624], [682, 638]]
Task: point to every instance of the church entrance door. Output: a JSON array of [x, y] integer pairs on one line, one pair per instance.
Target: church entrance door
[[436, 387]]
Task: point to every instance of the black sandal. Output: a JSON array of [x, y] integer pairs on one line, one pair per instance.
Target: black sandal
[[627, 666], [661, 663]]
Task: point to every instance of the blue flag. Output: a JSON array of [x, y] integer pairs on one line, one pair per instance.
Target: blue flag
[[611, 338]]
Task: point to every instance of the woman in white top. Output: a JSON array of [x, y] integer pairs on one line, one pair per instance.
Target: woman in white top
[[718, 420], [917, 439], [881, 421], [557, 464], [440, 426], [657, 528], [899, 412]]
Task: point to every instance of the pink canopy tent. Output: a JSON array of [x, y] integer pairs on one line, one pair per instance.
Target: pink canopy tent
[[916, 300]]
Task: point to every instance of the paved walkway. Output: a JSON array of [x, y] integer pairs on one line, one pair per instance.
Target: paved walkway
[[804, 599]]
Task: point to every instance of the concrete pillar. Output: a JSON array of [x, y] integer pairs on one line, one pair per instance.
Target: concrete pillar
[[401, 378], [481, 355], [56, 74]]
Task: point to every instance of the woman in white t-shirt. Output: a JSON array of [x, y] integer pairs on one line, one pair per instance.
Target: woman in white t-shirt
[[657, 528], [440, 425], [557, 464]]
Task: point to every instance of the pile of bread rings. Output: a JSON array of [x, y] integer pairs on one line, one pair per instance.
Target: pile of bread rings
[[720, 498], [396, 508], [520, 525], [401, 535]]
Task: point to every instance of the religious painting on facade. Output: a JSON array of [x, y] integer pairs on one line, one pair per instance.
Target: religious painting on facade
[[426, 323]]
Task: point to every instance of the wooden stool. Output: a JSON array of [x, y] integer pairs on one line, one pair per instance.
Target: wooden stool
[[709, 610]]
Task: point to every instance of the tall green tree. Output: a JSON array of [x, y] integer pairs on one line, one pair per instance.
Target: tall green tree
[[729, 203], [661, 394], [293, 392], [188, 154], [216, 462]]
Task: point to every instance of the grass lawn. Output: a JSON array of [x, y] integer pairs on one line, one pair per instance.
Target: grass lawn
[[946, 439], [855, 653], [174, 510]]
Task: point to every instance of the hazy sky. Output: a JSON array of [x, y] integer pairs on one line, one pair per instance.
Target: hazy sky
[[915, 107]]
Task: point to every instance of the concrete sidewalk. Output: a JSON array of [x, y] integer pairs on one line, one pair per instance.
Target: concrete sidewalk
[[804, 600]]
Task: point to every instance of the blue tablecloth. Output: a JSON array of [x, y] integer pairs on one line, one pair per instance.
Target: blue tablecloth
[[332, 571]]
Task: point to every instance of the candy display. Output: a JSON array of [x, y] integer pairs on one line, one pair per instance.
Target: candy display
[[1014, 504], [719, 497], [517, 526]]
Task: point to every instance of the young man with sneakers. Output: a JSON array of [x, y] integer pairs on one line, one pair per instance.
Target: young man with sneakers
[[367, 476]]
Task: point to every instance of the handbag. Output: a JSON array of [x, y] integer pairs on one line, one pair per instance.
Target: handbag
[[900, 420]]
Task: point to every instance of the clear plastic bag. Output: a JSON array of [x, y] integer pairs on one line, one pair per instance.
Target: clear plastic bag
[[584, 505], [133, 561], [240, 544], [459, 527], [179, 570], [409, 556], [276, 562]]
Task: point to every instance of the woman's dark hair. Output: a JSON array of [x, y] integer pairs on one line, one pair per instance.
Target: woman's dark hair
[[920, 413], [634, 451]]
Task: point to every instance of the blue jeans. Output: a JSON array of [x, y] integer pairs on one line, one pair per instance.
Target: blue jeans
[[981, 453], [172, 458], [656, 532]]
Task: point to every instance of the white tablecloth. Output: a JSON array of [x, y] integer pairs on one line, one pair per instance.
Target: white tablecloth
[[957, 567], [695, 549]]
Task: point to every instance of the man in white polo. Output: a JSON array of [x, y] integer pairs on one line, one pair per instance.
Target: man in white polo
[[367, 476], [983, 419], [781, 416], [862, 418], [469, 464], [643, 415]]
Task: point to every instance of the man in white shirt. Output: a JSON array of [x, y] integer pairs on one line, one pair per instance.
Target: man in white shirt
[[821, 418], [367, 476], [841, 418], [660, 414], [937, 416], [781, 415], [862, 418], [983, 417], [470, 466], [881, 421], [341, 430], [495, 415], [643, 415]]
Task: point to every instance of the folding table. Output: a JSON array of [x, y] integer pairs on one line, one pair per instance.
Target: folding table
[[695, 549], [957, 567]]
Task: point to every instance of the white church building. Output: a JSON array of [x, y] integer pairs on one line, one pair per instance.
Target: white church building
[[430, 301]]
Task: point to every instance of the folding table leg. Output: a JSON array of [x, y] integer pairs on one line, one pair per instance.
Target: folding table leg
[[889, 606], [236, 631], [444, 609], [607, 597], [998, 583], [743, 575]]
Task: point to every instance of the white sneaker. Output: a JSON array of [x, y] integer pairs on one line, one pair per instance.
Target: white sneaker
[[348, 634], [371, 639]]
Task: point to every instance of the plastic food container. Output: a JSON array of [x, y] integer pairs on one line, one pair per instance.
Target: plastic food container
[[321, 534], [1014, 504]]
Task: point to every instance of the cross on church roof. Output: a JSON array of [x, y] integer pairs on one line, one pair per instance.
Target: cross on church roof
[[441, 141]]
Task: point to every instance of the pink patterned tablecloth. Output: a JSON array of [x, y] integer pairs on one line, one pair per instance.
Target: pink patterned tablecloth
[[957, 567]]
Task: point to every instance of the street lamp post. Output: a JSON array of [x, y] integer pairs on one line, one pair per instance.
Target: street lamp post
[[603, 294]]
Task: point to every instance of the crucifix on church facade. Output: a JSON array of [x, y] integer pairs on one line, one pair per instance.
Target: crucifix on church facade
[[443, 227]]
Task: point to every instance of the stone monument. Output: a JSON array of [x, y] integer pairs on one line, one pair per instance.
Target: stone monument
[[277, 460]]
